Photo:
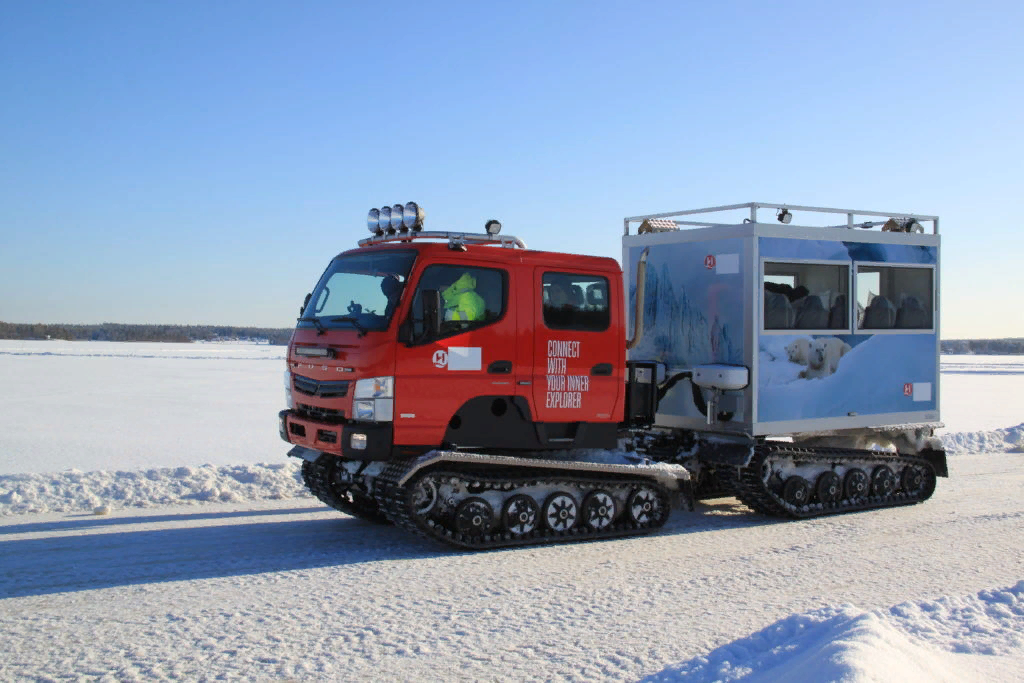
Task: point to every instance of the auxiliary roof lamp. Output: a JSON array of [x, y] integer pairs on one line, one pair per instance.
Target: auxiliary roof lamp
[[784, 216], [389, 220], [493, 227]]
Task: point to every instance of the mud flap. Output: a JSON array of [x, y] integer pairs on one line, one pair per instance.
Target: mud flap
[[683, 498], [937, 459], [304, 453]]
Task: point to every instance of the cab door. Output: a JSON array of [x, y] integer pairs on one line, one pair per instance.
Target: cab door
[[578, 354], [471, 359]]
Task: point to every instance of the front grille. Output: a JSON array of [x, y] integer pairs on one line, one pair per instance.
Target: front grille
[[321, 414], [323, 389]]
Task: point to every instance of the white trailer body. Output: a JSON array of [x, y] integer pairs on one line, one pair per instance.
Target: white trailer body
[[837, 326]]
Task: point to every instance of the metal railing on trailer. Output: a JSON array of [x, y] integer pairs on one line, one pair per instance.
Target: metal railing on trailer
[[782, 212]]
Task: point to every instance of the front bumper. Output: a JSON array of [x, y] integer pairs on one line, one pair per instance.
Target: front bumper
[[336, 437]]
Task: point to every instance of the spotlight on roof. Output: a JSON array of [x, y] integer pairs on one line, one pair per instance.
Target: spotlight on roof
[[784, 216], [913, 226], [412, 217], [385, 220], [372, 221], [493, 227], [396, 217]]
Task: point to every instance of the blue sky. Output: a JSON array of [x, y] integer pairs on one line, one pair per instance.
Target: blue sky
[[196, 162]]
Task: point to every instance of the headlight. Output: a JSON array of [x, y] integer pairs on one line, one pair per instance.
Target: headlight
[[375, 387], [363, 410]]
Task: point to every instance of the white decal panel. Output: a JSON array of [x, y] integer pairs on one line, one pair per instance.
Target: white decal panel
[[465, 358], [564, 390], [922, 391], [727, 264]]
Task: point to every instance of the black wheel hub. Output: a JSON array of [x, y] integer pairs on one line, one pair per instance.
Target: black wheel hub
[[474, 516]]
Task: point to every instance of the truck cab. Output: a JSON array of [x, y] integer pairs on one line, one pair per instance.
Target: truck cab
[[415, 341]]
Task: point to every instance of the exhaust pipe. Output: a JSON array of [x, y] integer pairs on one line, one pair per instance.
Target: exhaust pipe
[[638, 308]]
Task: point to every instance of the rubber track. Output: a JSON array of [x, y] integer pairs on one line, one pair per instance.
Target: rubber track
[[317, 476], [394, 500], [755, 493]]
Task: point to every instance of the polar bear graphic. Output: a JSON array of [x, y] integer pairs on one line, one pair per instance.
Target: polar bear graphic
[[799, 351], [823, 357]]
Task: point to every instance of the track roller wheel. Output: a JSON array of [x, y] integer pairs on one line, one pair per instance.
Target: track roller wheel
[[598, 510], [645, 506], [883, 481], [796, 491], [560, 511], [912, 480], [519, 516], [424, 495], [828, 488], [855, 483], [474, 517]]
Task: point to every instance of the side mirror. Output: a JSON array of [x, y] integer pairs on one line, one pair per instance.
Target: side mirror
[[305, 302]]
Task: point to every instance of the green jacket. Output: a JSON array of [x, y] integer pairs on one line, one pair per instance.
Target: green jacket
[[461, 302]]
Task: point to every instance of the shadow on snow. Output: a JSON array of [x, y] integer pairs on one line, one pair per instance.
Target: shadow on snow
[[77, 561]]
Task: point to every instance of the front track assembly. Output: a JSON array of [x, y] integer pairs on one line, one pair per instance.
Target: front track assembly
[[332, 484], [480, 502], [787, 481]]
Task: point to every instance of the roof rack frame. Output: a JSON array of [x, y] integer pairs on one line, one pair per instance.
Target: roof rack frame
[[754, 206], [508, 241]]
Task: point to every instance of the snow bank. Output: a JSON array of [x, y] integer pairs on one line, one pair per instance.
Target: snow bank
[[75, 491], [1008, 440], [952, 639]]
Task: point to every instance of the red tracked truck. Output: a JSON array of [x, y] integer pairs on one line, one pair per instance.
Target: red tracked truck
[[478, 393]]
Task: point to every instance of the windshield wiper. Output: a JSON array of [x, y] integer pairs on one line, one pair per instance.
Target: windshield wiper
[[349, 319], [320, 329]]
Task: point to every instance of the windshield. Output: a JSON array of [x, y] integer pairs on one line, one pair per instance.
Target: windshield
[[359, 291]]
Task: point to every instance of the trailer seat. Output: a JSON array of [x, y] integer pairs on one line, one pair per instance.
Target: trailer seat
[[879, 315], [811, 314], [837, 314], [778, 312], [911, 315]]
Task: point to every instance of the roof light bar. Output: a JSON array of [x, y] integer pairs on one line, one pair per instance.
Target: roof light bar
[[389, 220]]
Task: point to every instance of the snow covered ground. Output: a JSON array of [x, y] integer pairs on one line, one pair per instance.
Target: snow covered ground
[[215, 564]]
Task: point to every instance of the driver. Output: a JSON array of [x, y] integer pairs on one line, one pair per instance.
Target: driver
[[461, 302], [391, 287]]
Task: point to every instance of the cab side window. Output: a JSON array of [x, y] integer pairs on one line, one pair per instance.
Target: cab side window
[[470, 297], [575, 302]]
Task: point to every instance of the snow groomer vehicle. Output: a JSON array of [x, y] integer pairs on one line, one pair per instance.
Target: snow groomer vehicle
[[483, 394]]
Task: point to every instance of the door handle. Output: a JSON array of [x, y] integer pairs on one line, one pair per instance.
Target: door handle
[[601, 369], [500, 367]]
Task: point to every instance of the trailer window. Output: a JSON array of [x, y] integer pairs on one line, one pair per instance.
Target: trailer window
[[899, 298], [575, 302], [806, 296], [471, 297]]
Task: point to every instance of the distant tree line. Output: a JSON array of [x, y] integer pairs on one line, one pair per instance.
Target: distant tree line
[[191, 333], [144, 333], [983, 347]]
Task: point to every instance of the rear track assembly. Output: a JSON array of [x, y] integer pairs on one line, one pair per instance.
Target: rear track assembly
[[787, 481]]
